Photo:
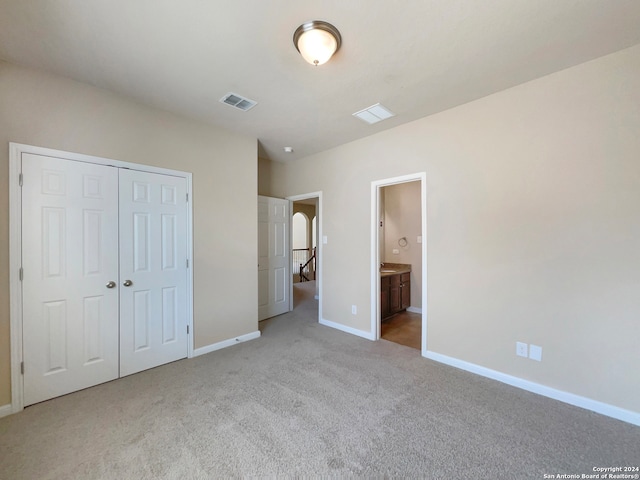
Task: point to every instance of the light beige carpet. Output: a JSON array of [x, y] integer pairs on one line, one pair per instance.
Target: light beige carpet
[[307, 400]]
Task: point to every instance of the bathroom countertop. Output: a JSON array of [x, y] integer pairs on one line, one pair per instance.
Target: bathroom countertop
[[389, 269]]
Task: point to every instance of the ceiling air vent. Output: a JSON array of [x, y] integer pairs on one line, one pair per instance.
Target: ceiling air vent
[[374, 114], [238, 101]]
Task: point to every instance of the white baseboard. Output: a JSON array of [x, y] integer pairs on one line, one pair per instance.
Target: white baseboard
[[344, 328], [414, 310], [570, 398], [226, 343], [6, 410]]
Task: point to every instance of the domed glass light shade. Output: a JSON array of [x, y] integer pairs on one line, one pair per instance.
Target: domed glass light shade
[[317, 41]]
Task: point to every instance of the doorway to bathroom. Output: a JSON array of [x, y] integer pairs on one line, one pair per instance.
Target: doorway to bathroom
[[398, 260]]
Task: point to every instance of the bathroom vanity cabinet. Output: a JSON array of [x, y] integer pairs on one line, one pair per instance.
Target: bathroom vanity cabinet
[[395, 293]]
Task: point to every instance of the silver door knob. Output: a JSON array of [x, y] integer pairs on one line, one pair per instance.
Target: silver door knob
[[127, 283], [111, 285]]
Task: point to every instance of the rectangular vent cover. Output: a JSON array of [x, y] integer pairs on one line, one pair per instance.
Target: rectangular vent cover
[[374, 114], [238, 101]]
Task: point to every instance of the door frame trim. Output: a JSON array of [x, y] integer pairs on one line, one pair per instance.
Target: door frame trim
[[375, 250], [319, 245], [15, 249]]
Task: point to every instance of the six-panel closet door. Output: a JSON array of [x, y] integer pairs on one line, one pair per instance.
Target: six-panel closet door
[[153, 272], [70, 262], [104, 261]]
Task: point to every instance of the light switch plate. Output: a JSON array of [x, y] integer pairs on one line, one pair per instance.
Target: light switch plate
[[396, 251], [419, 239], [324, 239]]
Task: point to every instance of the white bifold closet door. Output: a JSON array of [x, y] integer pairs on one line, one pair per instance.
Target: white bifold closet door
[[104, 261]]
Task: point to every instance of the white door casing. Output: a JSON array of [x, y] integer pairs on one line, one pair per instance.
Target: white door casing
[[153, 270], [274, 265], [319, 249], [376, 255], [70, 238]]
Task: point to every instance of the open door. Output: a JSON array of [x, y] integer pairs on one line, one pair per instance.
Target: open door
[[274, 257]]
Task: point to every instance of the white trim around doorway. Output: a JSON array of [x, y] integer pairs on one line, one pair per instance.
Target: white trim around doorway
[[15, 250], [375, 250], [319, 221]]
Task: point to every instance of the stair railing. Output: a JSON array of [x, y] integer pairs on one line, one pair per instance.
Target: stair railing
[[304, 268]]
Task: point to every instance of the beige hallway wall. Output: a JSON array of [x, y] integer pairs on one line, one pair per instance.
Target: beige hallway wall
[[49, 111], [310, 213], [264, 177], [533, 226]]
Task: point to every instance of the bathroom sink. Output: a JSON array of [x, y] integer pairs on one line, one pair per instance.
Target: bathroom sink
[[387, 268]]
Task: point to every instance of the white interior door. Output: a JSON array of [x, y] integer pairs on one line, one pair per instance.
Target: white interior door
[[274, 265], [153, 270], [70, 299]]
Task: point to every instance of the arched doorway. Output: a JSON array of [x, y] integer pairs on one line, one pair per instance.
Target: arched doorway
[[300, 244]]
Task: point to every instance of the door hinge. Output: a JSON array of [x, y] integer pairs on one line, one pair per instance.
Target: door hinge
[[22, 368], [187, 329], [187, 263], [20, 179], [21, 274], [187, 197]]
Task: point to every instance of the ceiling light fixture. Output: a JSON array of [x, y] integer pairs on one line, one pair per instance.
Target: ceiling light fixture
[[317, 41]]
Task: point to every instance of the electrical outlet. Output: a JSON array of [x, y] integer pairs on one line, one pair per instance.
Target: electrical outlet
[[535, 352], [521, 349], [419, 239], [354, 309]]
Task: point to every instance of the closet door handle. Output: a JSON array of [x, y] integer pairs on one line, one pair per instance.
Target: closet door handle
[[127, 283], [111, 285]]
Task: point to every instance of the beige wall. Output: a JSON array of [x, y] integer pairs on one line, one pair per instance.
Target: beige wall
[[49, 111], [264, 177], [533, 226], [402, 218], [310, 212]]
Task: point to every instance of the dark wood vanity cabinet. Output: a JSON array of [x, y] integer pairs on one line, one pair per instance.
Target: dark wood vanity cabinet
[[384, 297], [405, 286], [395, 294]]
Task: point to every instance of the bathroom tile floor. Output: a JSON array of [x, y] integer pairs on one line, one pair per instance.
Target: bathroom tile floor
[[404, 328]]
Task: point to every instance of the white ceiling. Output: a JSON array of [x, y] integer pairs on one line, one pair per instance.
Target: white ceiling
[[416, 57]]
